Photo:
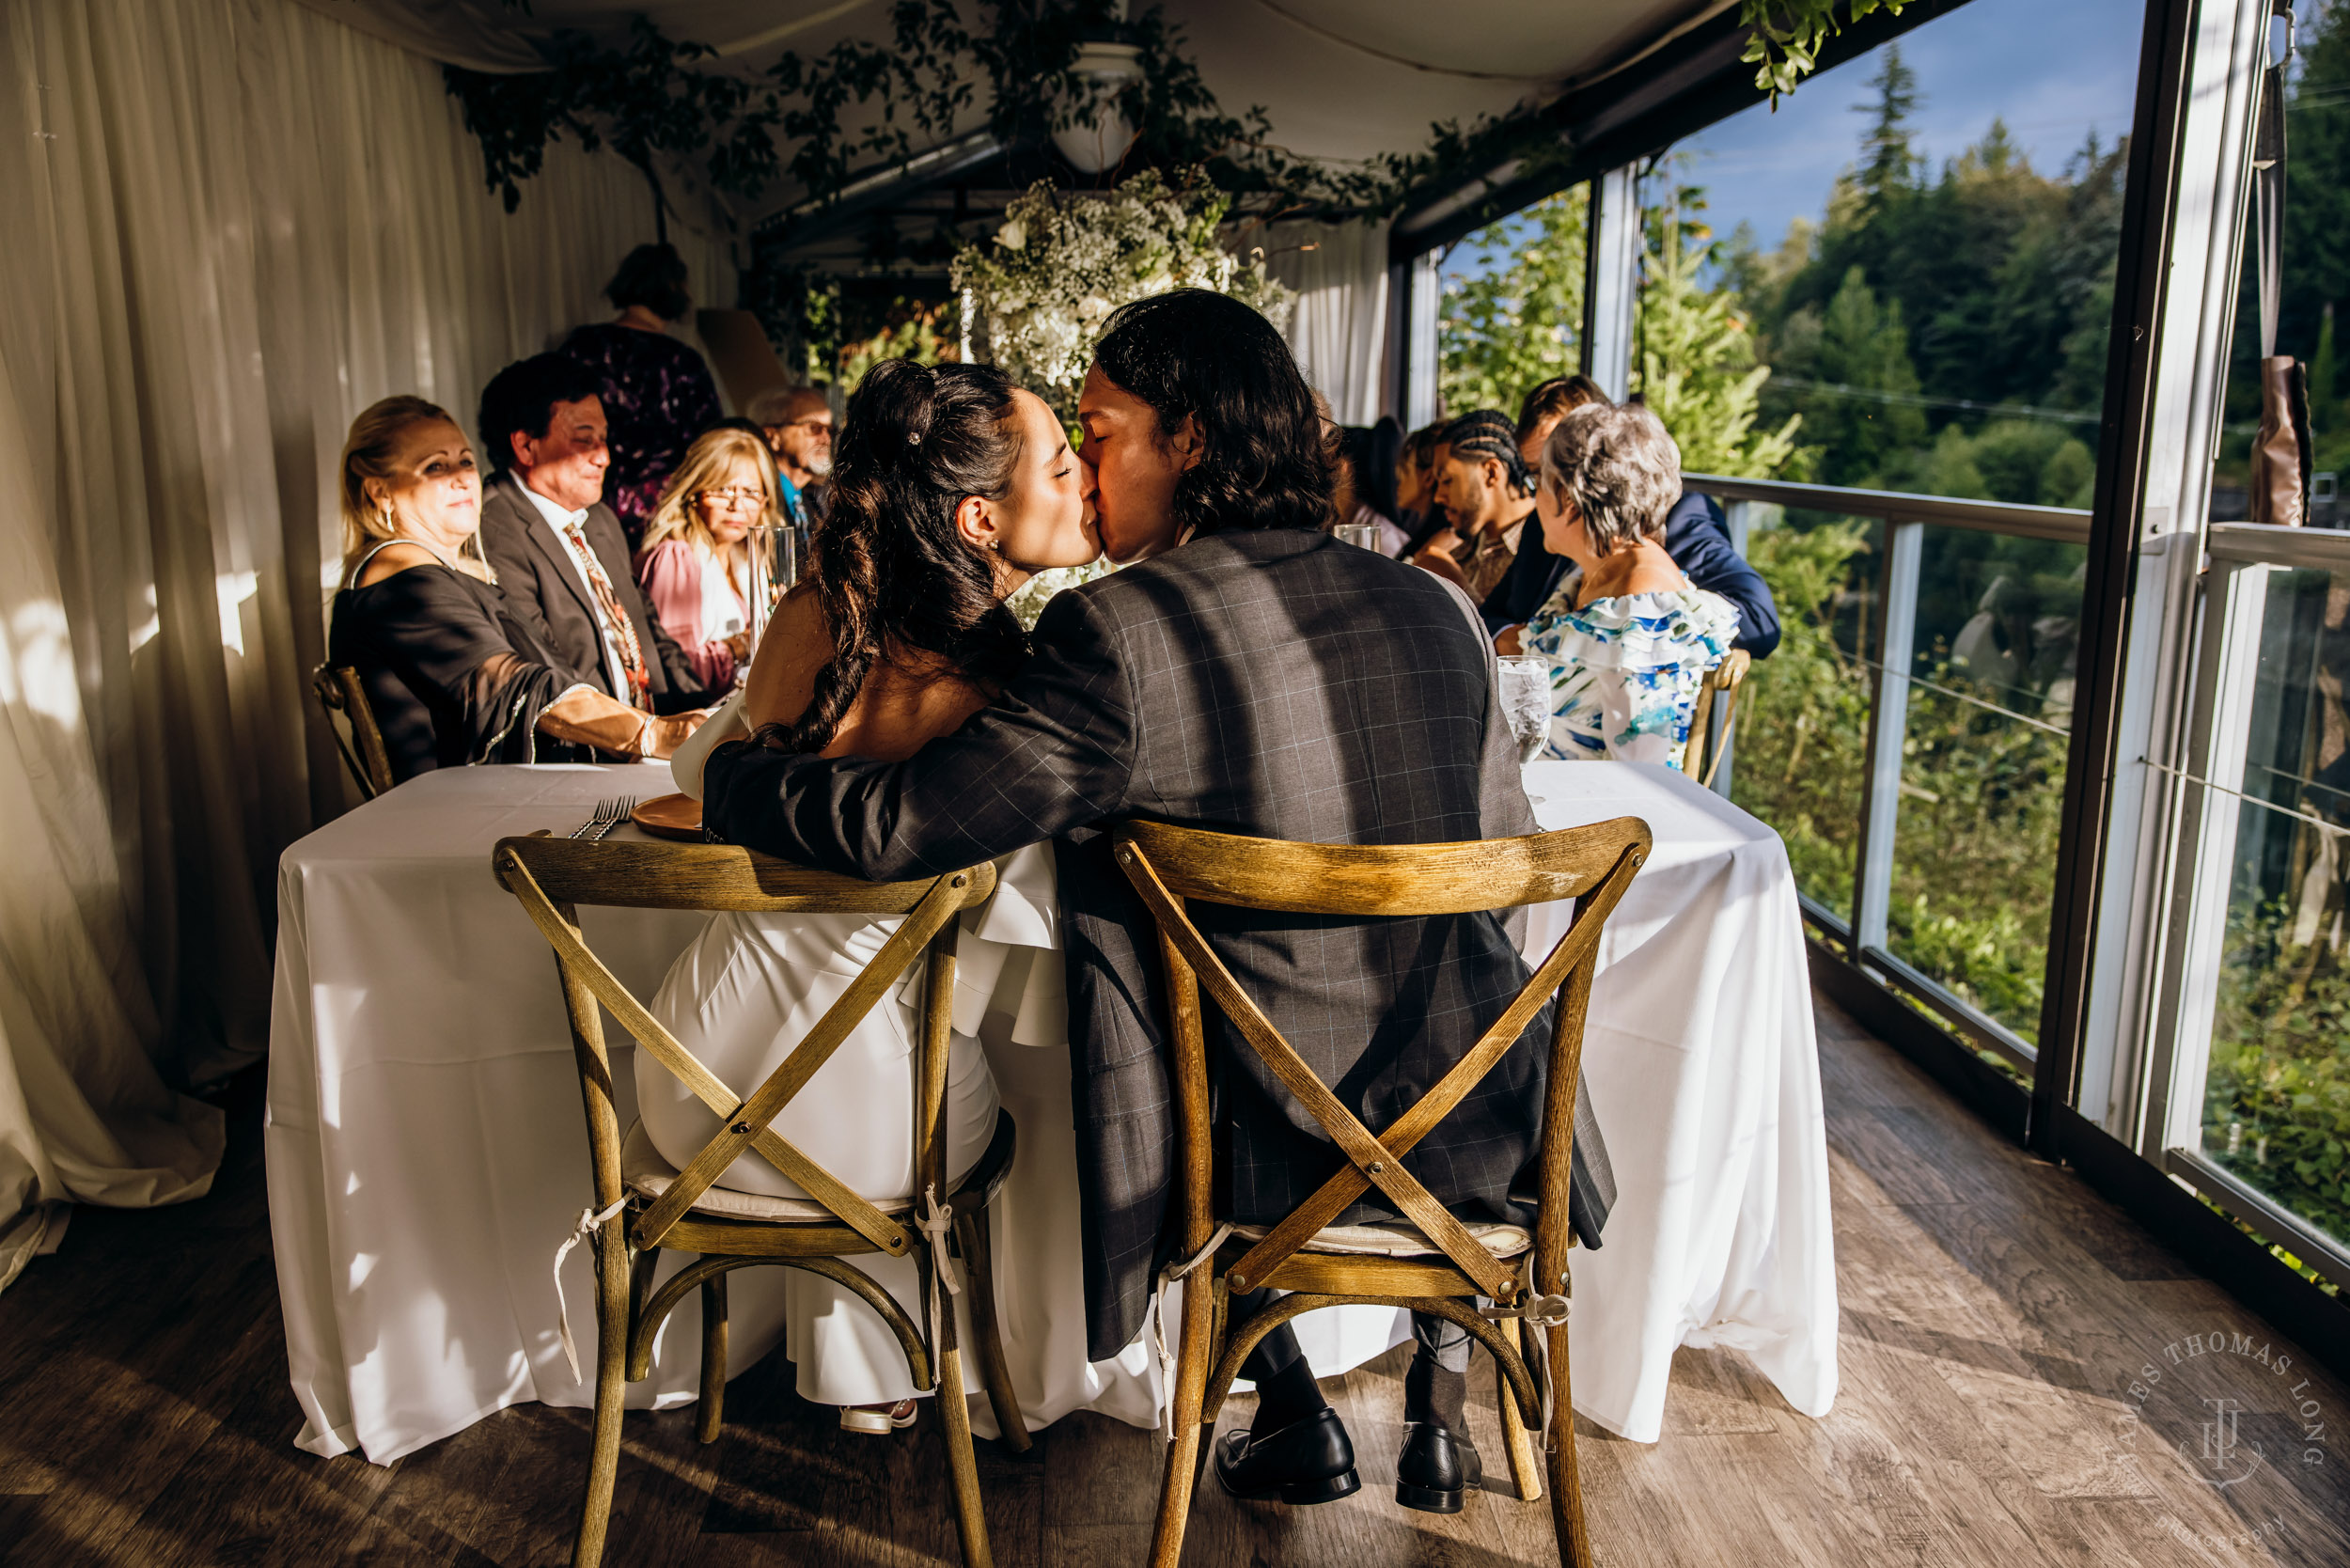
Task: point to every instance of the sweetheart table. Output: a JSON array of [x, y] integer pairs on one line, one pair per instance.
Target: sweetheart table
[[426, 1150]]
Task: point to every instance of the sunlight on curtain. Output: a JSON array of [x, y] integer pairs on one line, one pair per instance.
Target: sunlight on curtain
[[1340, 327], [234, 224]]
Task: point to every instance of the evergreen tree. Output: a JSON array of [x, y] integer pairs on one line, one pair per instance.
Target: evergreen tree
[[1516, 321], [1697, 369], [1863, 349], [1888, 157]]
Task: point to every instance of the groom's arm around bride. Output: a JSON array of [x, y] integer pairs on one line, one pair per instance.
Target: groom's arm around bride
[[1247, 674]]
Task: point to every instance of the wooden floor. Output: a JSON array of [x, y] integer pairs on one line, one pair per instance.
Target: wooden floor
[[1995, 1315]]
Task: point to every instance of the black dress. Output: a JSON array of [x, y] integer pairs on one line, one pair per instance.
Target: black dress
[[451, 676]]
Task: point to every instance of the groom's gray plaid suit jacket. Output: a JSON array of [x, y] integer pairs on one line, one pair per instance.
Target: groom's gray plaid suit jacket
[[1277, 683]]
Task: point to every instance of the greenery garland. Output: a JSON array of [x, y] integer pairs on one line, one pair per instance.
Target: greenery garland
[[645, 97]]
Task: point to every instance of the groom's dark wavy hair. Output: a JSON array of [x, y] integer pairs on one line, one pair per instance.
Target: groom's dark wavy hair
[[1202, 355]]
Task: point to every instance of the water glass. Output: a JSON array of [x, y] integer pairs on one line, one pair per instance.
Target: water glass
[[1525, 703]]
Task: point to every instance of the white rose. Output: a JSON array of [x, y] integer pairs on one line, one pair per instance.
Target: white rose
[[1092, 307], [1012, 236]]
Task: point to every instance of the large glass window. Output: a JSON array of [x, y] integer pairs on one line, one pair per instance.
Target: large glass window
[[1802, 739], [2277, 1089], [1921, 246], [1989, 718]]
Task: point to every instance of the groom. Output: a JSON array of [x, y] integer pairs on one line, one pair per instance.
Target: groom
[[1246, 673]]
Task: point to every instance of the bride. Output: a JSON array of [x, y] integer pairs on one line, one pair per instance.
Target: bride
[[951, 487]]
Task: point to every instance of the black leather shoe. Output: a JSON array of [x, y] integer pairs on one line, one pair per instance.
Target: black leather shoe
[[1306, 1462], [1437, 1468]]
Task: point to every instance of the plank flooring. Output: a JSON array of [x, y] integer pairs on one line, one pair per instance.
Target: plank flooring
[[1996, 1313]]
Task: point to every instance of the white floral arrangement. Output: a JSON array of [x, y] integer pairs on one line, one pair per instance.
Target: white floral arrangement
[[1036, 294], [1028, 600]]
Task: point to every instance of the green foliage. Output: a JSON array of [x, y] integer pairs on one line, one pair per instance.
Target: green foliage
[[2277, 1098], [1920, 304], [1696, 365], [1975, 858], [1017, 59], [1803, 713], [1855, 348], [914, 330], [641, 95], [1515, 320], [1889, 152], [1785, 45]]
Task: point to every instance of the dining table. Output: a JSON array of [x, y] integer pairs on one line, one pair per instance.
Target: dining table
[[427, 1153]]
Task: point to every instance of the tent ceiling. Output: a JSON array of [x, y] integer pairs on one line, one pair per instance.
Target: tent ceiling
[[1339, 79]]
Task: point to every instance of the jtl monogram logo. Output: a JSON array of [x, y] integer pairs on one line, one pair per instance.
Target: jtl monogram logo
[[2224, 1455]]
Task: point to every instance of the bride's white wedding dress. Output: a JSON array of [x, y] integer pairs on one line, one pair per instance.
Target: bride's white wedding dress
[[751, 986]]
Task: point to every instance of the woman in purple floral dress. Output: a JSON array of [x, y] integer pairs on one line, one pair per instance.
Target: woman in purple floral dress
[[657, 392]]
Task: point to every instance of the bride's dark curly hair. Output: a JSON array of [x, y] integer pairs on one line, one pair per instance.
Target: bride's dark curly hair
[[1192, 353], [889, 567]]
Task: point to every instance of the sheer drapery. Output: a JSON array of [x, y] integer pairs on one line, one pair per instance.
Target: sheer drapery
[[1340, 328], [235, 223]]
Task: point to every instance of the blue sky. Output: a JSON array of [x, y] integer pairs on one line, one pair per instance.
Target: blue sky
[[2054, 70]]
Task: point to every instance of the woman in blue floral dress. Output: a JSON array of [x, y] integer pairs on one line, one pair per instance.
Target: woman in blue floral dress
[[657, 393], [1629, 640]]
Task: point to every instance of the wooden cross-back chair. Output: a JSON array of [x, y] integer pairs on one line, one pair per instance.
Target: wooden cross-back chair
[[1711, 719], [1445, 1268], [339, 692], [643, 1204]]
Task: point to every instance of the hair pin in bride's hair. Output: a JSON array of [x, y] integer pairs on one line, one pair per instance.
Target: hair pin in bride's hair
[[913, 438]]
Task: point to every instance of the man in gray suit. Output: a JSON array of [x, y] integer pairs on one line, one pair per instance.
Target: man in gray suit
[[562, 559], [1248, 674]]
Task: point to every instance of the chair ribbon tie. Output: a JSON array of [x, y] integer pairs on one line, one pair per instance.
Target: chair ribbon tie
[[1172, 1274], [936, 1223], [590, 1220], [1542, 1311]]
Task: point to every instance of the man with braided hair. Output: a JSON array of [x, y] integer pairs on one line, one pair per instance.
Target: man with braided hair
[[1487, 496]]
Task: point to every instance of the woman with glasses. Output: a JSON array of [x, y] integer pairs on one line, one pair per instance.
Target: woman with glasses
[[699, 563]]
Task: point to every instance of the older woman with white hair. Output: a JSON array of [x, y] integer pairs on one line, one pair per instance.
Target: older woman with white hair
[[1628, 638]]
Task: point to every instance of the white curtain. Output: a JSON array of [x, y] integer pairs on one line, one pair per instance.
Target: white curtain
[[1340, 328], [233, 225]]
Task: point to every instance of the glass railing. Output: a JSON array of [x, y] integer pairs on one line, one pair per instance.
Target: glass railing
[[1908, 739], [2276, 1100]]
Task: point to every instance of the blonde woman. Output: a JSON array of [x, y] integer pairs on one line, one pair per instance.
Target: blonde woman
[[696, 565], [451, 678]]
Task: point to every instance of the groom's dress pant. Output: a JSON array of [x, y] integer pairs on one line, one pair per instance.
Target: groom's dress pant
[[1442, 1340]]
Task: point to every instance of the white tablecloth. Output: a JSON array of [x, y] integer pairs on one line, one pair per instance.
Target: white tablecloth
[[1701, 1061], [426, 1148]]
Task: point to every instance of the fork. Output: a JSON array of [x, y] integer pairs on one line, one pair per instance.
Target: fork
[[622, 809], [607, 817]]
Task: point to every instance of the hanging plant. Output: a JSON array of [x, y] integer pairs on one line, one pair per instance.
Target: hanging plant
[[1785, 45], [1038, 291]]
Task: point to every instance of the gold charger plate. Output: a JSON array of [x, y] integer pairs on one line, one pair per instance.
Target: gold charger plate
[[670, 817]]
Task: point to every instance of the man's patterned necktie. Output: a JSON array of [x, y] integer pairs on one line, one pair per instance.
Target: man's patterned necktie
[[615, 621]]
